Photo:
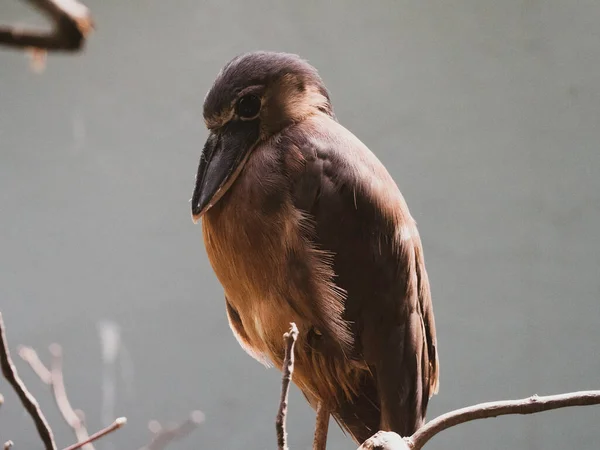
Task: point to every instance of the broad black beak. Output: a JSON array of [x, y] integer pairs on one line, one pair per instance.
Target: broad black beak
[[223, 157]]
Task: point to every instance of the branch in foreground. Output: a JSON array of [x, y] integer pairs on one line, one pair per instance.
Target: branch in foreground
[[27, 399], [531, 405], [72, 24], [54, 378], [386, 440], [288, 369]]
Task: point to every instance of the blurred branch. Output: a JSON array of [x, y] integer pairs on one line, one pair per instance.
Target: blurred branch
[[288, 369], [72, 24], [27, 399], [118, 423], [30, 356], [54, 378], [164, 436]]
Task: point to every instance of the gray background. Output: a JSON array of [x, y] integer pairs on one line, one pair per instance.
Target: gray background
[[486, 113]]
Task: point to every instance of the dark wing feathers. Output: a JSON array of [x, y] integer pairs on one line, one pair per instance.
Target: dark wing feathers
[[381, 270]]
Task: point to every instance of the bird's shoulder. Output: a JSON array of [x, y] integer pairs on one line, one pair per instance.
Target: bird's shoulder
[[324, 160]]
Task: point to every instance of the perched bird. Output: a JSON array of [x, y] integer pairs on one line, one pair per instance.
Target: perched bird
[[302, 223]]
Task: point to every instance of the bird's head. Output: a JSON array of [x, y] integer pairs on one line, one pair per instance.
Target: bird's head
[[255, 96]]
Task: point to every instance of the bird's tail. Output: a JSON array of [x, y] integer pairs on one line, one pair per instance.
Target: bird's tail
[[360, 415]]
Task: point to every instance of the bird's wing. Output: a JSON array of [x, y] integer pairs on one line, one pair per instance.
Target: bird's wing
[[360, 216]]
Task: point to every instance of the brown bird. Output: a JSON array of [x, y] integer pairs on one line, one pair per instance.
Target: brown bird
[[302, 223]]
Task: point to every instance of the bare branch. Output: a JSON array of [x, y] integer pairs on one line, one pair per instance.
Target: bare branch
[[288, 369], [72, 23], [54, 378], [164, 436], [529, 405], [118, 423], [30, 356], [27, 399], [62, 401]]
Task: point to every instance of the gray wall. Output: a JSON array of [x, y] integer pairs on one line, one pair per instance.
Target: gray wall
[[486, 113]]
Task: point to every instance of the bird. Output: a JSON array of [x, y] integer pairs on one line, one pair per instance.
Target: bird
[[302, 223]]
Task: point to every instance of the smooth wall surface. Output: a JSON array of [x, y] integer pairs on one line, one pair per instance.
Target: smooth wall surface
[[486, 113]]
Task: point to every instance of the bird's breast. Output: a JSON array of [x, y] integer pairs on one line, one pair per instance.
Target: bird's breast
[[272, 275], [248, 235]]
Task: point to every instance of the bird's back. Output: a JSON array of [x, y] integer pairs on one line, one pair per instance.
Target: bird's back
[[362, 218]]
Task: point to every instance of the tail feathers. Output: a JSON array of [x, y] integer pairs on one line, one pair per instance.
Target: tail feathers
[[360, 415]]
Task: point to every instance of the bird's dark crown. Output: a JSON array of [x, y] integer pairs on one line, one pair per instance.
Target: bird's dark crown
[[260, 72]]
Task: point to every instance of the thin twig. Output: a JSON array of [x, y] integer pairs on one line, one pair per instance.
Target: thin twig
[[29, 402], [529, 405], [288, 369], [54, 378], [118, 423], [72, 23], [30, 356], [62, 401], [164, 436]]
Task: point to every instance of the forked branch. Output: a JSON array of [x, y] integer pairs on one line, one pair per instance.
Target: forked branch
[[30, 403], [54, 378]]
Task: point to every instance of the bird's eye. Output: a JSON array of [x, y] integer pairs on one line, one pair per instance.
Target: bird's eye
[[248, 106]]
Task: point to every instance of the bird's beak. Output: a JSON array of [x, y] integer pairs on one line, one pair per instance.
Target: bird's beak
[[222, 160]]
